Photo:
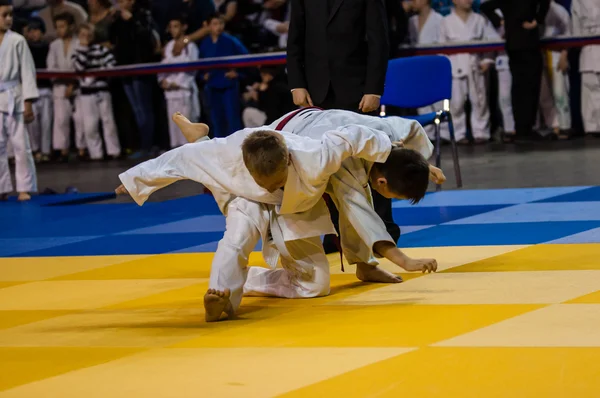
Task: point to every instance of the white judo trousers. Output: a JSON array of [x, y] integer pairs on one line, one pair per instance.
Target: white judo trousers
[[244, 223], [96, 108], [66, 110], [12, 129], [181, 104], [40, 130], [428, 34], [504, 93], [585, 17]]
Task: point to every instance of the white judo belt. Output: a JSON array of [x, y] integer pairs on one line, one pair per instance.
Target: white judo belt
[[8, 87]]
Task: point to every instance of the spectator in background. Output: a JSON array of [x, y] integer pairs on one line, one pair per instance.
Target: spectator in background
[[95, 99], [133, 41], [586, 21], [198, 12], [228, 9], [40, 130], [181, 91], [554, 95], [56, 7], [337, 57], [102, 19], [468, 72], [222, 87], [268, 99], [522, 21], [63, 90]]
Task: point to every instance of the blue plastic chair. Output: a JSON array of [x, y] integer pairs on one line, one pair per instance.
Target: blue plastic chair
[[413, 82]]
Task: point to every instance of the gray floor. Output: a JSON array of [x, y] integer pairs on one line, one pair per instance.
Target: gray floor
[[540, 164]]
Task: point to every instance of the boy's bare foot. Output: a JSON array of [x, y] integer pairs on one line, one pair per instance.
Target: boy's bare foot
[[368, 273], [23, 197], [217, 302], [191, 131]]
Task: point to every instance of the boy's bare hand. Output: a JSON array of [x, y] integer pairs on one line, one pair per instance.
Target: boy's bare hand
[[28, 115], [425, 265], [121, 190], [436, 175]]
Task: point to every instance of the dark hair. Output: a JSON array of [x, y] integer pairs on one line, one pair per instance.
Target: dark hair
[[36, 23], [105, 3], [407, 173], [265, 153], [215, 15], [179, 17], [65, 16], [270, 69]]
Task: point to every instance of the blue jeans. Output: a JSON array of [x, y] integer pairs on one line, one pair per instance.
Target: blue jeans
[[139, 94], [225, 111]]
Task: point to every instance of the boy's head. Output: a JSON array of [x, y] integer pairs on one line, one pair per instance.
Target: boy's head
[[420, 5], [405, 175], [267, 158], [268, 73], [86, 34], [65, 25], [126, 5], [463, 5], [216, 24], [6, 15], [35, 29], [177, 27]]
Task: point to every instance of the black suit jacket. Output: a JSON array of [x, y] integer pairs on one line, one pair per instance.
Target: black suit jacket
[[515, 13], [347, 48]]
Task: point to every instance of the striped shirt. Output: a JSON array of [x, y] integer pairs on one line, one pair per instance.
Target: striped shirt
[[95, 56]]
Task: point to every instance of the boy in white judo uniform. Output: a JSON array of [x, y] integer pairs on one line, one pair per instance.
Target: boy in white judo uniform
[[181, 91], [95, 100], [424, 28], [555, 104], [468, 70], [246, 184], [585, 16], [60, 57], [18, 90]]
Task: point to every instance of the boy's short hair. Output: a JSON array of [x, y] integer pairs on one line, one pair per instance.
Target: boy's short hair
[[215, 15], [407, 173], [36, 23], [179, 17], [66, 17], [265, 153]]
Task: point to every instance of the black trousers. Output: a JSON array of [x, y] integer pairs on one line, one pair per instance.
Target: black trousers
[[526, 68], [382, 206]]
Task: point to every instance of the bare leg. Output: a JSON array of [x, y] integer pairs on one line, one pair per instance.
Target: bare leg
[[191, 131], [369, 273], [216, 303], [23, 197]]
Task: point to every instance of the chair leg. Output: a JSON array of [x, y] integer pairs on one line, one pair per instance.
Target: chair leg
[[438, 149], [457, 173]]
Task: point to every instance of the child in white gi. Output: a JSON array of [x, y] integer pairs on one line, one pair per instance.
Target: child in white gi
[[18, 90], [424, 28], [554, 95], [95, 101], [468, 70], [60, 57], [247, 184], [585, 15], [181, 91]]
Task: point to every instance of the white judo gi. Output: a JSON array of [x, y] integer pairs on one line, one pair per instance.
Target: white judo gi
[[185, 100], [585, 17], [554, 95], [428, 34], [17, 84], [40, 130], [290, 222], [64, 110], [467, 79], [360, 226]]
